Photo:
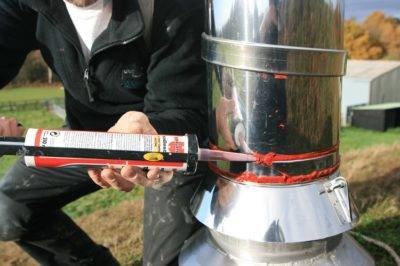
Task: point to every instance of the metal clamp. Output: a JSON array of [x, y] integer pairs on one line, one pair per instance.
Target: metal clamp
[[338, 194], [291, 60], [330, 186]]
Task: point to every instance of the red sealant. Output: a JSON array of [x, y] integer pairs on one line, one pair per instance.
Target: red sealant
[[269, 158]]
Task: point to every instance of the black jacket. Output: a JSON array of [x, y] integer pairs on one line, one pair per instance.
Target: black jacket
[[166, 80]]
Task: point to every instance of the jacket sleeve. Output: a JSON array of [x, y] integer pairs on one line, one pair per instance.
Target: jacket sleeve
[[176, 101], [17, 38]]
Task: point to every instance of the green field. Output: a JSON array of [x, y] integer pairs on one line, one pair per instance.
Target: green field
[[357, 138], [29, 93]]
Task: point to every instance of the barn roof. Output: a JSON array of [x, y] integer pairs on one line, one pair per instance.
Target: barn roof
[[369, 69]]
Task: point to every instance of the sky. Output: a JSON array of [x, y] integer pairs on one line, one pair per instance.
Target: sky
[[359, 9]]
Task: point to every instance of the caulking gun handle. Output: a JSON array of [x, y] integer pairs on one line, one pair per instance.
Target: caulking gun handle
[[11, 145], [12, 139]]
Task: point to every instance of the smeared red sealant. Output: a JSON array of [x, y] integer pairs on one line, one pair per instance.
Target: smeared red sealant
[[280, 76], [269, 158], [280, 179], [287, 179]]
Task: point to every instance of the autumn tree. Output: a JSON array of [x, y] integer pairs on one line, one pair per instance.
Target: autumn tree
[[378, 36], [360, 44]]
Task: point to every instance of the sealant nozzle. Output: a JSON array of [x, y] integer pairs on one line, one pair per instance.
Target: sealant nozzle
[[218, 155]]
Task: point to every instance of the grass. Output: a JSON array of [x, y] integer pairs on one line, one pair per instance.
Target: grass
[[374, 177], [380, 223], [102, 199], [29, 93], [357, 138]]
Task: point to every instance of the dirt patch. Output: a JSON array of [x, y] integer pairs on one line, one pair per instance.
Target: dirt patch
[[119, 228]]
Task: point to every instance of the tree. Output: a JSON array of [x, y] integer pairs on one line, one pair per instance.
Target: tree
[[360, 44], [386, 30]]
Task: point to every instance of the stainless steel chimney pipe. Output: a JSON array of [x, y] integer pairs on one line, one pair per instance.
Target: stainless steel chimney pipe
[[247, 44], [274, 79]]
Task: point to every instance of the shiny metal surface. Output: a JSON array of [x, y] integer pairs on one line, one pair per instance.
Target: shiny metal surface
[[274, 79], [204, 249], [270, 58], [260, 112], [273, 252], [304, 23], [280, 213]]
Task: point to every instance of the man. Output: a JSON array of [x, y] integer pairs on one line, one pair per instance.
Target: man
[[114, 81]]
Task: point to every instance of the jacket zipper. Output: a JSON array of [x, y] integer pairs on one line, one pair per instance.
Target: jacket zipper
[[86, 73], [86, 78]]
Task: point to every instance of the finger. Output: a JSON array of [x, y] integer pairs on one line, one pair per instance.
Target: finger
[[230, 106], [159, 177], [21, 130], [13, 125], [132, 127], [130, 172], [134, 122], [116, 181], [149, 129], [166, 176], [222, 114], [139, 128], [227, 136], [2, 126], [136, 175], [95, 175], [6, 126], [153, 173]]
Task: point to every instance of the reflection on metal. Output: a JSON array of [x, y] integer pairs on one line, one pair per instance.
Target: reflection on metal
[[274, 78], [209, 248], [312, 23], [274, 58], [252, 111], [266, 213]]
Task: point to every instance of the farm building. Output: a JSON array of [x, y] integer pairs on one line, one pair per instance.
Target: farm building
[[370, 82]]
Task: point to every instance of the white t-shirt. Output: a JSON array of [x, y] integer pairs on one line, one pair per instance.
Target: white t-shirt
[[90, 22]]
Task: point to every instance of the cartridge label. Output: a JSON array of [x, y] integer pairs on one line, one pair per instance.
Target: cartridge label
[[106, 141]]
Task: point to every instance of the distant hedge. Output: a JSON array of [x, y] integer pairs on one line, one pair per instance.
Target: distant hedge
[[34, 70]]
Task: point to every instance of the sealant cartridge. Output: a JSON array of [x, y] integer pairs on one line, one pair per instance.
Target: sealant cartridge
[[63, 148]]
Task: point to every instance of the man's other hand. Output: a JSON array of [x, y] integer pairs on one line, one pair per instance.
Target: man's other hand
[[9, 127], [129, 176], [223, 112]]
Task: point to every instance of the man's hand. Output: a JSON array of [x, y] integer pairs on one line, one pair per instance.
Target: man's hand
[[129, 176], [9, 127], [223, 111]]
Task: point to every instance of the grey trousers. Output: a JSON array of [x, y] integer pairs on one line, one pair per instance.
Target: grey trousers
[[30, 214]]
